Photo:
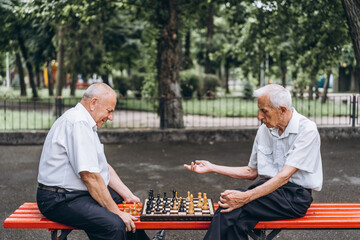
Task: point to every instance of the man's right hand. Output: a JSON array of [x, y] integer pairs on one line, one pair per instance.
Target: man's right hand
[[200, 166], [128, 220]]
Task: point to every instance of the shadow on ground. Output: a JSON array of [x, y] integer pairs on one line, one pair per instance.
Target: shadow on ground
[[159, 166]]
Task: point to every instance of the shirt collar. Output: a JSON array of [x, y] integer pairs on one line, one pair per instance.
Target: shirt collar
[[89, 118], [292, 127]]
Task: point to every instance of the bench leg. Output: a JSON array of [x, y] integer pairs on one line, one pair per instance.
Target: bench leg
[[63, 235], [261, 234]]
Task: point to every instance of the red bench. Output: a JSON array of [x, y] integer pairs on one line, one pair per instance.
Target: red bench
[[319, 216]]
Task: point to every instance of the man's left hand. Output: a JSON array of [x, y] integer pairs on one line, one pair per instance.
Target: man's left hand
[[132, 198], [233, 199]]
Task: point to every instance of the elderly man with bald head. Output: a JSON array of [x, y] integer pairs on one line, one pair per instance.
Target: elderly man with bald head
[[286, 159], [77, 187]]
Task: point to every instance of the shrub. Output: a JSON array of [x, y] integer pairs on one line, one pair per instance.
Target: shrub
[[210, 82], [121, 84], [189, 83], [248, 90], [137, 81]]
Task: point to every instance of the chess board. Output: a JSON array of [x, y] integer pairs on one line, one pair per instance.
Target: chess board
[[175, 215]]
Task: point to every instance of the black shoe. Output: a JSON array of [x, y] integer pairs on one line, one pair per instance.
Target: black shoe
[[160, 235]]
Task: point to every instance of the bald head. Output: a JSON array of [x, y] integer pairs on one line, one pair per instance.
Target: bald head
[[99, 100], [98, 90]]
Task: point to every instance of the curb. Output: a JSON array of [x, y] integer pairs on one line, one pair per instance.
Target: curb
[[116, 136]]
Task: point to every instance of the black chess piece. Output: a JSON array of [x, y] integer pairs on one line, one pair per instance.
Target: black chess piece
[[165, 196], [164, 210], [157, 208], [174, 193]]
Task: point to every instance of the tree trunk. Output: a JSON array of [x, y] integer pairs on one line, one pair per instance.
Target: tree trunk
[[209, 36], [311, 92], [21, 74], [283, 75], [180, 44], [171, 113], [50, 80], [73, 84], [227, 74], [38, 76], [352, 12], [60, 77], [326, 86], [105, 78], [28, 67], [352, 79], [187, 62]]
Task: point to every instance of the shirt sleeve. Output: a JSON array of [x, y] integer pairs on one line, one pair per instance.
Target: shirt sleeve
[[82, 152], [253, 156], [305, 151]]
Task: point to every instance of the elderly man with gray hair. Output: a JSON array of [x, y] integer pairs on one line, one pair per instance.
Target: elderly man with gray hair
[[77, 187], [285, 157]]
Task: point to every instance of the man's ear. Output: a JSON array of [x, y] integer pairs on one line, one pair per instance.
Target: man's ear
[[93, 103], [283, 109]]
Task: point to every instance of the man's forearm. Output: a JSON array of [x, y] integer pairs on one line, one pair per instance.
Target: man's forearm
[[236, 172], [116, 184], [98, 190], [272, 184]]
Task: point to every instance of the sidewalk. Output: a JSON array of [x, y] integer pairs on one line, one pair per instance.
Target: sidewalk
[[159, 166]]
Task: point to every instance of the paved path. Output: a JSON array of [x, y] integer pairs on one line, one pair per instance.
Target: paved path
[[158, 166]]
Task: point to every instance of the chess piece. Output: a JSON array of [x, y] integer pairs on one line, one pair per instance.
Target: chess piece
[[191, 198], [188, 197], [205, 203], [174, 198], [124, 205], [191, 208], [175, 207], [164, 210], [157, 208]]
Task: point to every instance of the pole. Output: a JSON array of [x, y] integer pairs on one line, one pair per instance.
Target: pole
[[7, 71], [353, 117]]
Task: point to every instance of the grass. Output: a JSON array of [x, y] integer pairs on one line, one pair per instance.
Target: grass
[[26, 113], [29, 120], [238, 107]]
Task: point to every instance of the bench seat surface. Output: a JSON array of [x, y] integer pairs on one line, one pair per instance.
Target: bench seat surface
[[318, 216]]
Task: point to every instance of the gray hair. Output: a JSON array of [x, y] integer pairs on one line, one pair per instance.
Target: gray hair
[[97, 90], [278, 95]]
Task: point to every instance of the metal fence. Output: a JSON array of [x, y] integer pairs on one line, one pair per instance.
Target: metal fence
[[219, 112]]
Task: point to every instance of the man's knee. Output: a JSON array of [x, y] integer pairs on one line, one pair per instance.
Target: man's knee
[[111, 228]]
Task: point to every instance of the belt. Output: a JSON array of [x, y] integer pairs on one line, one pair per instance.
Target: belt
[[53, 189]]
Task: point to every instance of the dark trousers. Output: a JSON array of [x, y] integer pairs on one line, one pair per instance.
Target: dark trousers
[[287, 202], [78, 209]]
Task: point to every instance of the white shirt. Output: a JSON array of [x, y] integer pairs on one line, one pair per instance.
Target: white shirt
[[72, 146], [298, 146]]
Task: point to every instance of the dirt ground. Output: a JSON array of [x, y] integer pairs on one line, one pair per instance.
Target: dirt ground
[[159, 166]]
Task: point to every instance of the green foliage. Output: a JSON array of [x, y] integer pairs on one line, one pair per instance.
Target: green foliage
[[137, 81], [150, 85], [121, 84], [248, 90], [189, 83], [209, 84]]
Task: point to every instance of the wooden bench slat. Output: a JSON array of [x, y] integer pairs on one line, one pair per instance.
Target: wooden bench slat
[[319, 216]]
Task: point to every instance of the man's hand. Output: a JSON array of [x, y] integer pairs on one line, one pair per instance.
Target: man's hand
[[128, 220], [200, 166], [233, 199], [132, 198]]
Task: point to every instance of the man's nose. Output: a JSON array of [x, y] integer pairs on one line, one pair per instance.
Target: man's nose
[[260, 116], [110, 117]]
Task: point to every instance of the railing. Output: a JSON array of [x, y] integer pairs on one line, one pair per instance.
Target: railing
[[219, 112]]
